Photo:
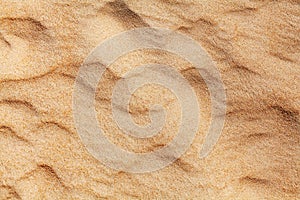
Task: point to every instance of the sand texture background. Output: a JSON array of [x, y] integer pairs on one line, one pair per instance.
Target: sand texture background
[[256, 47]]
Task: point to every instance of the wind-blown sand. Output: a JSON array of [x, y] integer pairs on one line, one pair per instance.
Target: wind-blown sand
[[254, 44]]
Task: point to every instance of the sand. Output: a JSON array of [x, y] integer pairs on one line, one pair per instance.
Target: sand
[[255, 46]]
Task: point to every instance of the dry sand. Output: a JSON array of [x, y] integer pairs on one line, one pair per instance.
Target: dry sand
[[256, 47]]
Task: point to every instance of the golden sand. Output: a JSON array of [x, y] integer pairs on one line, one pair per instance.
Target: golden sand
[[255, 46]]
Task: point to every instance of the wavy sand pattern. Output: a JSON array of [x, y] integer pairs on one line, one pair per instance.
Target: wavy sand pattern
[[255, 45]]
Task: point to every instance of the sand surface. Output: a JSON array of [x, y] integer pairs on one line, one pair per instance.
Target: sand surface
[[254, 44]]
